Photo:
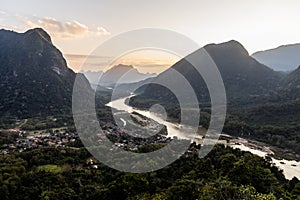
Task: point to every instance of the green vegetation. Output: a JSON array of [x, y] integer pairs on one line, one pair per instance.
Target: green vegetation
[[34, 78], [36, 94], [51, 173], [49, 168], [262, 104], [274, 123]]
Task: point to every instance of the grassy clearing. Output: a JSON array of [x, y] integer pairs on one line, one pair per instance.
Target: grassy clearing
[[50, 168]]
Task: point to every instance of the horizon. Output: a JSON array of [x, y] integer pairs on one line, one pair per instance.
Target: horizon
[[157, 60], [86, 63], [79, 29]]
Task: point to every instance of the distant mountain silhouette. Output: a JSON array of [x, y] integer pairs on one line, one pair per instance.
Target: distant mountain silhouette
[[93, 77], [292, 80], [283, 58], [34, 76], [117, 74], [290, 85]]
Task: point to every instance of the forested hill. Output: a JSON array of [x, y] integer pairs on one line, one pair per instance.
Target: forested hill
[[261, 102], [243, 76], [34, 77]]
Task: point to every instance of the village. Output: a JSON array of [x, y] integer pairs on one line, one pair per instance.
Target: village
[[27, 141], [64, 138], [123, 139]]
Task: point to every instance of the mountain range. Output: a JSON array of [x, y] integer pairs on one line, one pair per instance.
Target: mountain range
[[118, 74], [34, 77], [262, 104], [36, 81], [283, 58], [244, 78]]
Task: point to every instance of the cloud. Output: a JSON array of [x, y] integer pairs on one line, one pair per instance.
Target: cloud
[[87, 56], [70, 29], [87, 62], [10, 27], [100, 63]]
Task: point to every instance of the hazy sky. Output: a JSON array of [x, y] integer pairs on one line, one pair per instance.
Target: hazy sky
[[77, 27]]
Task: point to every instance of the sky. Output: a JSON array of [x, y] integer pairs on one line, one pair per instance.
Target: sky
[[78, 27]]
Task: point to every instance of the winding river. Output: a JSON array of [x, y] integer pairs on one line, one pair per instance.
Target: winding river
[[290, 168]]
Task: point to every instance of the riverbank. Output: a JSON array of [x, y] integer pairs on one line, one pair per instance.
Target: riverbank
[[275, 152], [290, 168]]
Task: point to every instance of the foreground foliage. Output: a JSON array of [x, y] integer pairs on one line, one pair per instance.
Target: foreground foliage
[[51, 173]]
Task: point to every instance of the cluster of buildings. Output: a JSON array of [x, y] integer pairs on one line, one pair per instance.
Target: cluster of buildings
[[63, 138], [123, 139], [24, 141]]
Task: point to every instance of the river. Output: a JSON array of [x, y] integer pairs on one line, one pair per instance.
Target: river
[[290, 168]]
